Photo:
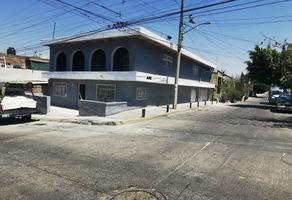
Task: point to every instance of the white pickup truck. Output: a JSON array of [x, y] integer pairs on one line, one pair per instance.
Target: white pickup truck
[[14, 101]]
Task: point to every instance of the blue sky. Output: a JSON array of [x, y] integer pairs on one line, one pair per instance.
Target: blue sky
[[225, 42]]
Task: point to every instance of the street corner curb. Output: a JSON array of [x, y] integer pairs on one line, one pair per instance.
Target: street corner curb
[[113, 122], [81, 121], [133, 121]]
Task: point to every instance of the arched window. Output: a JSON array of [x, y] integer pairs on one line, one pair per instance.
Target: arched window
[[121, 60], [78, 61], [61, 62], [98, 61]]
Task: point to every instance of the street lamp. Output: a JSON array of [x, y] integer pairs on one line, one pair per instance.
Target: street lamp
[[204, 23], [179, 47]]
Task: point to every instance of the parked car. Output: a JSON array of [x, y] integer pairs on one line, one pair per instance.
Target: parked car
[[14, 102], [274, 94], [284, 103]]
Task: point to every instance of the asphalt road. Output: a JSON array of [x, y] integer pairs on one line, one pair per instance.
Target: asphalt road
[[243, 151]]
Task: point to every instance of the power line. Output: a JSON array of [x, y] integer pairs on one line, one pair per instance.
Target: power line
[[143, 20], [231, 37], [212, 53], [85, 11], [106, 8], [257, 23], [208, 12], [245, 8]]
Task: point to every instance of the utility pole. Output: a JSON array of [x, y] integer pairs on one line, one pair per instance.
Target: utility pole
[[179, 47]]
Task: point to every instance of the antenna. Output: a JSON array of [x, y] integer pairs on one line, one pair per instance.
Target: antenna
[[54, 30]]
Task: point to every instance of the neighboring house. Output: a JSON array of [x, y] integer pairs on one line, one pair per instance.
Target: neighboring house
[[23, 69], [12, 61], [23, 62], [219, 78], [132, 65], [36, 63]]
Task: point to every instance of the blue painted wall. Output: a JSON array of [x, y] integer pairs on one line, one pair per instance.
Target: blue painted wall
[[144, 57]]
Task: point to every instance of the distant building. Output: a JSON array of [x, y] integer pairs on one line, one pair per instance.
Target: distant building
[[36, 63], [219, 78], [24, 69], [132, 65], [23, 62]]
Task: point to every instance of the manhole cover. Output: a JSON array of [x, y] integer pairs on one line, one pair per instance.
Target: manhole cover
[[134, 194]]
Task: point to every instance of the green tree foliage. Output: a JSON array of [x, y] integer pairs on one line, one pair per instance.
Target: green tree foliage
[[232, 91], [286, 67], [11, 51], [271, 67], [260, 88], [263, 66]]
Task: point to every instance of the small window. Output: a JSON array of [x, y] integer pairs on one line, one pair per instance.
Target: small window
[[105, 92], [167, 60], [60, 89], [196, 70], [142, 93]]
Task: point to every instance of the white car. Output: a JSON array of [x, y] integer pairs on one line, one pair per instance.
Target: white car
[[15, 103]]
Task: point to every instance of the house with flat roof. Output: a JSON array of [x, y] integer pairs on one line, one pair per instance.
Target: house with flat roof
[[128, 65], [23, 62]]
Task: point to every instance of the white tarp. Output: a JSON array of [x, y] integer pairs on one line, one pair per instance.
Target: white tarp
[[15, 102]]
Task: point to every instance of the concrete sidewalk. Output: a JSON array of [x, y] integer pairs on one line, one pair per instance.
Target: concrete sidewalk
[[65, 115]]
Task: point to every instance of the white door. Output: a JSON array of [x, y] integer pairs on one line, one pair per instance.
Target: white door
[[194, 95]]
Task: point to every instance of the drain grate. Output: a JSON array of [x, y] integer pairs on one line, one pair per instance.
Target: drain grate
[[134, 194]]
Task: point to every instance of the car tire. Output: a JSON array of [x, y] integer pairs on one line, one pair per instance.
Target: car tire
[[26, 117]]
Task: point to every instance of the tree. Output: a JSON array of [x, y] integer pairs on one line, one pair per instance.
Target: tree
[[264, 66], [260, 88], [286, 67], [11, 50]]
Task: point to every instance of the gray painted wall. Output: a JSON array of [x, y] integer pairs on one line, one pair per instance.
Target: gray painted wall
[[144, 57], [125, 91]]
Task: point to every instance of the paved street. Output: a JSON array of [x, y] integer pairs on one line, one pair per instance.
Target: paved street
[[243, 151]]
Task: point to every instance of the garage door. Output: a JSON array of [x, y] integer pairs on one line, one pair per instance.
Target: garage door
[[203, 94]]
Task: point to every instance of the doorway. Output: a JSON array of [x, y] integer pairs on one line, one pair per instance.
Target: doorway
[[82, 91]]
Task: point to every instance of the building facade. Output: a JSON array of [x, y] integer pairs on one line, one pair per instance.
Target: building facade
[[219, 78], [135, 66], [23, 62]]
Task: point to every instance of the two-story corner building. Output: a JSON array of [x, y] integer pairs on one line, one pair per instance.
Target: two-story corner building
[[132, 65]]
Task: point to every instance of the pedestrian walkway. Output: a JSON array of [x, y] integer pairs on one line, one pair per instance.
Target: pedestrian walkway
[[58, 114]]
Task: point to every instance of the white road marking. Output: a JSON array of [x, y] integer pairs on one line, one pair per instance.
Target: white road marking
[[183, 163], [283, 155]]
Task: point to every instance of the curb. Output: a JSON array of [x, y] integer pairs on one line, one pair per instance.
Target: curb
[[106, 123], [132, 121], [112, 123], [78, 121]]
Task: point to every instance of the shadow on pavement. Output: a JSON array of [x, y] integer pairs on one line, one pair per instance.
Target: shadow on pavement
[[14, 121], [283, 121], [266, 103], [276, 123], [257, 106]]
